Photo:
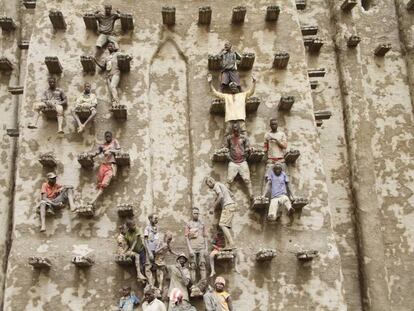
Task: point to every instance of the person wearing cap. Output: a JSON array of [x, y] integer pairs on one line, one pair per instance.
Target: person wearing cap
[[128, 300], [176, 297], [135, 248], [150, 302], [53, 97], [53, 196], [229, 74], [278, 183], [106, 22], [196, 238], [179, 277], [108, 168], [218, 299], [234, 104]]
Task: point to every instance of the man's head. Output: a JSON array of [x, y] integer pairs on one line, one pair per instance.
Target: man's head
[[52, 83], [196, 213], [130, 224], [126, 290], [111, 47], [273, 125], [227, 46], [236, 129], [182, 259], [277, 168], [219, 283], [51, 178], [108, 136], [108, 9], [234, 88], [210, 182], [149, 293], [153, 219], [87, 88]]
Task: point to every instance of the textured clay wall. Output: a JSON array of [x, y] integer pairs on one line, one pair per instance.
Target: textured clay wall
[[356, 169], [170, 136]]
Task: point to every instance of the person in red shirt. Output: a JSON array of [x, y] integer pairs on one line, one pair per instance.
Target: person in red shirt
[[54, 196], [108, 168], [239, 151]]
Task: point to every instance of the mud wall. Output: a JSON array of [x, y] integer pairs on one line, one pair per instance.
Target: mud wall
[[355, 169]]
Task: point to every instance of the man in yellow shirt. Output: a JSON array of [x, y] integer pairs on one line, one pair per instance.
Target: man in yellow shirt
[[218, 299], [235, 104]]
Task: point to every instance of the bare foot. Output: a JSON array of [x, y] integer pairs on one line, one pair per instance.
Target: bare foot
[[43, 229], [32, 126], [81, 128], [213, 273]]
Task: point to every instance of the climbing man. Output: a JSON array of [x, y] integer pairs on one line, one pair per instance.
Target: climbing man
[[163, 247], [106, 22], [239, 148], [224, 199], [235, 104], [229, 74], [108, 168], [113, 76], [196, 239], [53, 196], [275, 147], [55, 98], [86, 100], [281, 196], [135, 248], [151, 240]]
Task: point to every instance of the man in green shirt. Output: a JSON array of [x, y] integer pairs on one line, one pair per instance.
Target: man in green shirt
[[136, 248]]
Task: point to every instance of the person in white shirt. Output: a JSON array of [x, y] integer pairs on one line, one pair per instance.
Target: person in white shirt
[[150, 302], [235, 104]]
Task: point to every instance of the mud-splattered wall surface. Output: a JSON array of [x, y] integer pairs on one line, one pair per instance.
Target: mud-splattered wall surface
[[356, 169]]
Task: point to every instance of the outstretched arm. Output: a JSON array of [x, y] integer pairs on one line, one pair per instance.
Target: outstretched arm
[[212, 88]]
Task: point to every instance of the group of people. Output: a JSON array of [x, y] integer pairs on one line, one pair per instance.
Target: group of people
[[54, 98], [148, 252], [188, 276]]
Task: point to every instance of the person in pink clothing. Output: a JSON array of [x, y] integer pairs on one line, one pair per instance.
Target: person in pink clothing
[[108, 168]]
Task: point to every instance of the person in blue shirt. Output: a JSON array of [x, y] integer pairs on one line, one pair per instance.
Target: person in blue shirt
[[128, 300], [281, 196]]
